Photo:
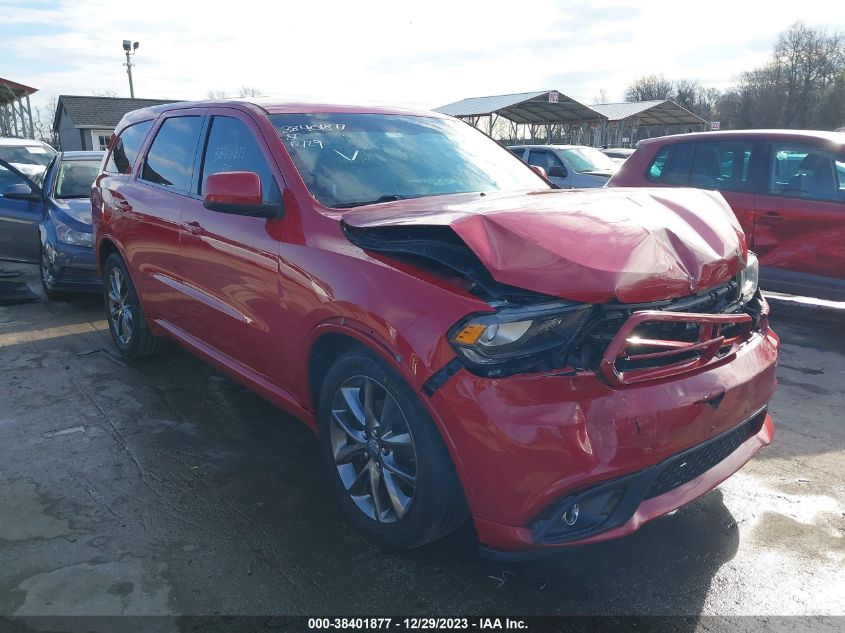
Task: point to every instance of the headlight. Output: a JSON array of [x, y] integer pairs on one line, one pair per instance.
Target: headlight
[[515, 338], [67, 235], [749, 278]]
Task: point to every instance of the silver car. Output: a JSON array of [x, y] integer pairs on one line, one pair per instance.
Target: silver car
[[569, 166]]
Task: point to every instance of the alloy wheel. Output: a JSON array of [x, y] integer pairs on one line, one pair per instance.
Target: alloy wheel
[[120, 311], [373, 449]]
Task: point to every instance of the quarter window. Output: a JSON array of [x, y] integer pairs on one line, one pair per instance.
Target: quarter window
[[170, 161], [127, 147], [806, 171], [232, 146]]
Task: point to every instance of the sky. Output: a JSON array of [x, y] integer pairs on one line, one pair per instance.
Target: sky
[[416, 54]]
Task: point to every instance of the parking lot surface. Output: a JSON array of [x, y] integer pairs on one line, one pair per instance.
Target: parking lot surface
[[161, 487]]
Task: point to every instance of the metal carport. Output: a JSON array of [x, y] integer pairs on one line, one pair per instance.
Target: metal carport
[[546, 108], [15, 118], [623, 120]]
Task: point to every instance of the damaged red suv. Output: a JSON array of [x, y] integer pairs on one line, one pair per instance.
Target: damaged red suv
[[560, 366]]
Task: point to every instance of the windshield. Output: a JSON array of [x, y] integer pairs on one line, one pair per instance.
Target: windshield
[[351, 160], [26, 155], [75, 178], [588, 159]]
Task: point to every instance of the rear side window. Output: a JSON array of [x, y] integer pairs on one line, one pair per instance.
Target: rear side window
[[806, 171], [127, 147], [722, 165], [233, 147], [170, 160]]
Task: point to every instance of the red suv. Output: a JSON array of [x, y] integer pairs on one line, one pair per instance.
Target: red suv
[[787, 188], [561, 366]]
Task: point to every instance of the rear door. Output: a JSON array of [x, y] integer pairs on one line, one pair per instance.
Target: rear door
[[800, 209], [19, 218], [230, 261], [148, 211]]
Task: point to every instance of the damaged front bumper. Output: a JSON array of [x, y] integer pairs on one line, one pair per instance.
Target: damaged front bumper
[[624, 451]]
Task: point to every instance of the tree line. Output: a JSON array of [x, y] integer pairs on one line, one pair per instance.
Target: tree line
[[801, 86]]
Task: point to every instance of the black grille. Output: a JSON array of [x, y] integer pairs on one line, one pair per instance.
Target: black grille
[[720, 300], [687, 466]]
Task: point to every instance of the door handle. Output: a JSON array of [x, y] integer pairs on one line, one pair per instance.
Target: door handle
[[194, 228], [772, 217]]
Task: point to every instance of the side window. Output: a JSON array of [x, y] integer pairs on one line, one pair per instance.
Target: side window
[[672, 165], [9, 178], [127, 147], [541, 158], [519, 153], [232, 146], [722, 165], [170, 160], [799, 170]]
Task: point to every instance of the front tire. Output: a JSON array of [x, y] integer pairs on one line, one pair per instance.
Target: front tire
[[128, 326], [46, 280], [385, 461]]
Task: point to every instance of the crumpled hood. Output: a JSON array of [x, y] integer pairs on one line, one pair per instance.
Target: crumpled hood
[[628, 244]]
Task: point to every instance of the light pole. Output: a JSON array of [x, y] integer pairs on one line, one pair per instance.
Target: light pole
[[130, 48]]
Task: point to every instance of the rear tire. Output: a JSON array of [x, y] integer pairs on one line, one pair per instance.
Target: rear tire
[[376, 435], [127, 323]]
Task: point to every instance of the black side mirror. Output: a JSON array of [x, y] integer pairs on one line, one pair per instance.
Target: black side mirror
[[19, 191], [558, 171]]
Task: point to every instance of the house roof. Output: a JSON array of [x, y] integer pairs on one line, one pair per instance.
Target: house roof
[[545, 106], [104, 112], [657, 112]]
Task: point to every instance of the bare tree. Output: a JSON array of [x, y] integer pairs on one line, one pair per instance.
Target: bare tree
[[104, 93], [42, 121], [216, 94], [648, 88], [248, 91], [601, 96]]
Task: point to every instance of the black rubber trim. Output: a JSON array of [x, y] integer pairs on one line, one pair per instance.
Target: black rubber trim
[[441, 376]]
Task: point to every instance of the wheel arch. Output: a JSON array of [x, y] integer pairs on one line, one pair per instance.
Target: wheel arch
[[329, 341]]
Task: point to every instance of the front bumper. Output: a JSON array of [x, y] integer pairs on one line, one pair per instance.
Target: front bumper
[[524, 445], [70, 268]]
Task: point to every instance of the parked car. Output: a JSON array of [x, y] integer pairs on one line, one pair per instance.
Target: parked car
[[569, 166], [786, 187], [617, 154], [562, 366], [28, 156], [46, 220]]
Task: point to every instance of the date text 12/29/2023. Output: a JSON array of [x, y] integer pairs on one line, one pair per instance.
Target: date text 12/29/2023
[[418, 624]]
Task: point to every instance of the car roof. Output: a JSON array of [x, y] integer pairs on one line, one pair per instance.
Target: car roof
[[22, 142], [273, 105], [835, 137], [549, 146], [80, 155]]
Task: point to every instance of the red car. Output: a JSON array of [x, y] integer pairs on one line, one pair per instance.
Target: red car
[[561, 366], [787, 188]]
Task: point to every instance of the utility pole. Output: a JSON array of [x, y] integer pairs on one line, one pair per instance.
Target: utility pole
[[130, 48]]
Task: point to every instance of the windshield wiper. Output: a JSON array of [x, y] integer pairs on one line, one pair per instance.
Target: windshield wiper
[[390, 197]]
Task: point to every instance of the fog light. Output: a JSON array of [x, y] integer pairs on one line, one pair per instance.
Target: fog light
[[570, 515]]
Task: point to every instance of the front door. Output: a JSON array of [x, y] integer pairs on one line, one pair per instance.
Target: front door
[[799, 221], [19, 216], [230, 261]]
